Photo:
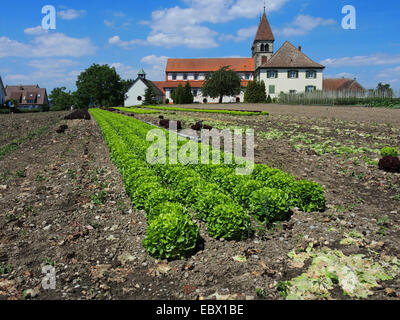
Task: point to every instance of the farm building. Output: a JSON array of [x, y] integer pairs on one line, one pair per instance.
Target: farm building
[[28, 97], [286, 70], [2, 93], [342, 84], [136, 93]]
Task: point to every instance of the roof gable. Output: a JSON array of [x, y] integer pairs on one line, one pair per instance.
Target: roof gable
[[264, 32], [288, 56], [342, 84], [210, 64]]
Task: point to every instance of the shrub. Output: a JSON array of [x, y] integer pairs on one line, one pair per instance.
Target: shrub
[[159, 196], [390, 164], [166, 208], [207, 201], [142, 192], [308, 196], [171, 236], [230, 222], [389, 152], [270, 205]]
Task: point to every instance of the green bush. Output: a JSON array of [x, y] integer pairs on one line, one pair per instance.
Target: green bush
[[171, 236], [155, 197], [389, 152], [166, 208], [308, 196], [270, 205], [230, 222]]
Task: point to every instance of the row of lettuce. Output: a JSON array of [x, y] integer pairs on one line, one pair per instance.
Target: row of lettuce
[[215, 194], [220, 111]]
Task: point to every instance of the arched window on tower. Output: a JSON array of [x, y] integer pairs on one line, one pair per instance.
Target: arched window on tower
[[262, 49], [266, 48]]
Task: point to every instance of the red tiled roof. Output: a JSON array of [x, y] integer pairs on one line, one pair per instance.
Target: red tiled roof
[[264, 32], [209, 64], [24, 93], [194, 84], [342, 84], [288, 56]]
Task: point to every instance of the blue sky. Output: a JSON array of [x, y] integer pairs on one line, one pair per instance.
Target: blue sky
[[134, 34]]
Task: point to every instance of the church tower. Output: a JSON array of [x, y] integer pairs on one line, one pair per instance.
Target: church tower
[[263, 45]]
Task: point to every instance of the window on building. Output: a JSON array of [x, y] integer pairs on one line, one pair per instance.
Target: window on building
[[272, 74], [139, 98], [311, 88], [196, 76], [311, 74], [174, 76], [195, 92], [266, 48], [262, 48], [271, 89], [247, 76], [293, 74], [185, 76]]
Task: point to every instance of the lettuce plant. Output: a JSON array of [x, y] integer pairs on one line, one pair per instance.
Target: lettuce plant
[[171, 236], [270, 205], [308, 196], [229, 221]]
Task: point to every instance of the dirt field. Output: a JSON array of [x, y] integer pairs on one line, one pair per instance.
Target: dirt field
[[351, 113], [62, 203]]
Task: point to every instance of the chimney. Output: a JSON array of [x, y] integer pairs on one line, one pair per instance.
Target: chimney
[[300, 48], [264, 59]]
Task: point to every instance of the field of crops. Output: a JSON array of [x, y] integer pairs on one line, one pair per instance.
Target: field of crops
[[215, 194]]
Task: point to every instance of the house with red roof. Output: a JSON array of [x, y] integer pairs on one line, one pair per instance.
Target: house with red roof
[[287, 70], [343, 85], [28, 97]]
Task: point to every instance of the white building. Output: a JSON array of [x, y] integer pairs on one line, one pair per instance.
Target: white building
[[286, 70], [2, 93], [136, 93]]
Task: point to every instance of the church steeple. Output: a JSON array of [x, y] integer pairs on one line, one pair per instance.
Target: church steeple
[[263, 45]]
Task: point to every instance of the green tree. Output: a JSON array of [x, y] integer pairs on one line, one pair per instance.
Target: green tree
[[385, 90], [188, 95], [149, 97], [179, 95], [255, 92], [61, 99], [100, 85], [223, 82]]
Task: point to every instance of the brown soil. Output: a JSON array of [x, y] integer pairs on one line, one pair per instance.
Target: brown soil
[[62, 201]]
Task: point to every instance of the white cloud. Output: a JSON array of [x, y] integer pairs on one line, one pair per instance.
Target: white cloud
[[116, 40], [358, 61], [47, 45], [155, 60], [125, 71], [185, 26], [242, 34], [303, 25], [36, 31], [70, 14]]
